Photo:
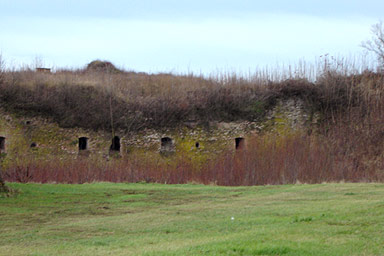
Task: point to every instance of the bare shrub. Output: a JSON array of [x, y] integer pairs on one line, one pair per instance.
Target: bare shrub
[[268, 159], [2, 69], [101, 66], [376, 43]]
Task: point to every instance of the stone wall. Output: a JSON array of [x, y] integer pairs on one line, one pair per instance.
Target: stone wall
[[40, 137]]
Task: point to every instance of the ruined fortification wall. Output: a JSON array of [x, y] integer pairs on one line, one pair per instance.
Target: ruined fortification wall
[[21, 136]]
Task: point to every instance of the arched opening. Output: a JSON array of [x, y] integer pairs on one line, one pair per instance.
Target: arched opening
[[115, 146], [83, 143], [239, 143], [2, 144], [166, 144]]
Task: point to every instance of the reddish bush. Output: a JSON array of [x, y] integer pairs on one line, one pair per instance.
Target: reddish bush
[[268, 159]]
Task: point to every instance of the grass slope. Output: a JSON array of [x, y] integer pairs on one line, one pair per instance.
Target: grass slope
[[152, 219]]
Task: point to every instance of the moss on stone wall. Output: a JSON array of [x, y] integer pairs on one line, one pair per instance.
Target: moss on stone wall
[[194, 144]]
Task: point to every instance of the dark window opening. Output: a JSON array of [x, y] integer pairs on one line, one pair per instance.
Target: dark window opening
[[239, 143], [166, 144], [115, 146], [2, 144], [83, 143]]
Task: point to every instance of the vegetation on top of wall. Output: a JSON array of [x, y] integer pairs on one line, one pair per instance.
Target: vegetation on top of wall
[[132, 101], [347, 143]]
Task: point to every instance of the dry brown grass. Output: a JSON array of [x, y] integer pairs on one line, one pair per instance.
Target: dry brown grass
[[83, 98]]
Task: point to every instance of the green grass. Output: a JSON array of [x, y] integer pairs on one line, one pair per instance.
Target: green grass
[[153, 219]]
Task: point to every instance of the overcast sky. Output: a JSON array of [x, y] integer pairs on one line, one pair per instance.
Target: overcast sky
[[182, 36]]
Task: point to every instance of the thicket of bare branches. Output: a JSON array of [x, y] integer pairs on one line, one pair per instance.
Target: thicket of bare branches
[[376, 43], [135, 101]]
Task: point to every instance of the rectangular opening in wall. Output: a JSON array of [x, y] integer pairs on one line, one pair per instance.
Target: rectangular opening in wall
[[2, 144], [83, 143], [166, 144], [239, 143], [115, 146]]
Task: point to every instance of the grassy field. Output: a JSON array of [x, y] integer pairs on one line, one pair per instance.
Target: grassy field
[[153, 219]]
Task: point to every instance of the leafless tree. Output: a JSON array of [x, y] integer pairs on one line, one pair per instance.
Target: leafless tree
[[376, 43], [2, 67]]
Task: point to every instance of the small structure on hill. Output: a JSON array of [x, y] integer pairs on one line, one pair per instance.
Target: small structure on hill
[[43, 70]]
